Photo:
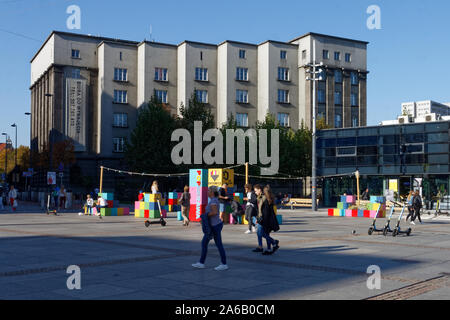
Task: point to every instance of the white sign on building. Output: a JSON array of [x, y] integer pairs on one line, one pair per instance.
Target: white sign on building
[[76, 113]]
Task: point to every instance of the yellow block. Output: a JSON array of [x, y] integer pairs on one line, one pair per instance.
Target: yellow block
[[119, 212], [244, 220], [85, 210], [142, 205], [217, 177], [375, 206], [155, 197], [337, 212], [275, 209]]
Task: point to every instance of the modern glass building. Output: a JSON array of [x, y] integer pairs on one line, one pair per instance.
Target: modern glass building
[[415, 155]]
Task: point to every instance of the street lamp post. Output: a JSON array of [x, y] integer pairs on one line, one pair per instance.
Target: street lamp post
[[15, 156], [316, 70], [6, 155]]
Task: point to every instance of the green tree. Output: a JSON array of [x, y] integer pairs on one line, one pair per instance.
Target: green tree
[[196, 111], [149, 148]]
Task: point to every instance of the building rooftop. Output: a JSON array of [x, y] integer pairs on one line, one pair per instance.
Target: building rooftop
[[136, 43], [328, 36]]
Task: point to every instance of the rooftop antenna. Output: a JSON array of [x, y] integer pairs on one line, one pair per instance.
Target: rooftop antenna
[[151, 34]]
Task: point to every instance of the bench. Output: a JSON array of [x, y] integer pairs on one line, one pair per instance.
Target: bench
[[300, 203]]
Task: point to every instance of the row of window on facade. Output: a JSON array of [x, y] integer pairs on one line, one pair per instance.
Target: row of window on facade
[[337, 56], [201, 74]]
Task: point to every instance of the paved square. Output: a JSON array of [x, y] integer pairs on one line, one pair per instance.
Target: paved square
[[119, 258]]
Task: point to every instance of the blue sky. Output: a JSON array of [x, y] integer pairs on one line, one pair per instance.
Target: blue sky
[[407, 58]]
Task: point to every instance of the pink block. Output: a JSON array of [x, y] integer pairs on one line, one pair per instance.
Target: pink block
[[94, 210], [349, 213], [351, 199], [373, 213], [202, 199], [137, 205], [231, 219]]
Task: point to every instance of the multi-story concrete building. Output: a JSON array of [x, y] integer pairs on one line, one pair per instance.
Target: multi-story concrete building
[[90, 88], [421, 111], [342, 93]]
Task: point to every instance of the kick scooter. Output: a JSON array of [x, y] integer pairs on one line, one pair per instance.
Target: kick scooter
[[161, 221], [397, 231]]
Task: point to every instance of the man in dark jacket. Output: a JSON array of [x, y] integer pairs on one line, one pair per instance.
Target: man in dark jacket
[[365, 196], [417, 205]]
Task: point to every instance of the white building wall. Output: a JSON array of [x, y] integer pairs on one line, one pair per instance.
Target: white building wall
[[223, 105], [111, 57], [152, 56], [181, 77], [228, 62], [196, 55], [43, 60], [263, 81]]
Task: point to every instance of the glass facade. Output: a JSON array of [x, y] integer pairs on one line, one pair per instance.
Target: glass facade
[[410, 151]]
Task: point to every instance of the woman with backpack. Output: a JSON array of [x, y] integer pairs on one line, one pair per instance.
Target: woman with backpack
[[185, 202]]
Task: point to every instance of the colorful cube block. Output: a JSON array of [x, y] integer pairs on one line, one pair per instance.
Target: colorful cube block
[[351, 199], [179, 216], [198, 178], [280, 219]]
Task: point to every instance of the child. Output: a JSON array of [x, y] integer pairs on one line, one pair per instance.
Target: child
[[101, 203], [237, 210], [89, 204]]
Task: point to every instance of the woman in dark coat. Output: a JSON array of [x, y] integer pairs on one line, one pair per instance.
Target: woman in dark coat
[[268, 222]]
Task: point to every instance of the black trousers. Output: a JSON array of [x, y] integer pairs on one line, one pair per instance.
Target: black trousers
[[411, 213], [416, 215]]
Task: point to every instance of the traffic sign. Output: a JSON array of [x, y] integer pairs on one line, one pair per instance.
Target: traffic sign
[[51, 178]]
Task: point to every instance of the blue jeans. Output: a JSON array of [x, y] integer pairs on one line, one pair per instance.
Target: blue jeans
[[218, 241], [262, 234]]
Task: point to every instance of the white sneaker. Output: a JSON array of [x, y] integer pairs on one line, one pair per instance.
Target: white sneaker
[[221, 267], [253, 229], [413, 223], [248, 232], [199, 265]]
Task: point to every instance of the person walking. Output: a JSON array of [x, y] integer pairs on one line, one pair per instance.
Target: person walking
[[1, 200], [101, 203], [12, 195], [410, 205], [212, 214], [89, 204], [223, 200], [417, 204], [267, 223], [250, 208], [62, 198], [55, 196], [185, 201]]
